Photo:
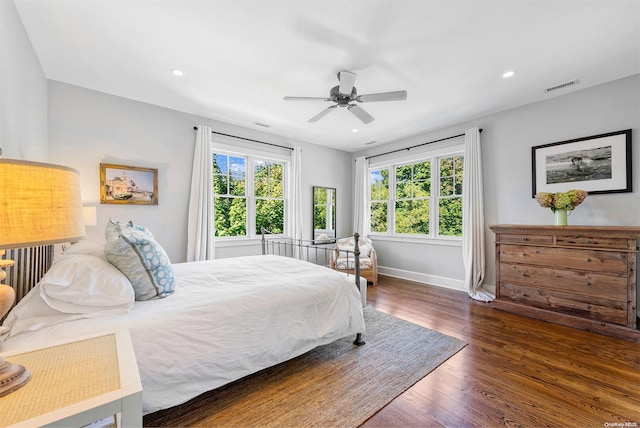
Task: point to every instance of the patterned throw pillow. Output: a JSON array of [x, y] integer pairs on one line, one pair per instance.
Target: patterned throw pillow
[[347, 244], [133, 250]]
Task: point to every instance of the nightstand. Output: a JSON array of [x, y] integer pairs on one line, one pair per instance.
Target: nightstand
[[76, 383]]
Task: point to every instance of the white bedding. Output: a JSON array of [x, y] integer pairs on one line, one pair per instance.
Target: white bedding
[[226, 319]]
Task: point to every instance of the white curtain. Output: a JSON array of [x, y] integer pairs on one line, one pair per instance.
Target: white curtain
[[473, 255], [201, 227], [294, 214], [361, 222]]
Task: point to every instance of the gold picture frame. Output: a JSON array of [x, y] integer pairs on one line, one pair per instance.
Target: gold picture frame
[[128, 185]]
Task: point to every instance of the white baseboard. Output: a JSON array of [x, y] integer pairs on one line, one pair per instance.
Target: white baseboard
[[440, 281]]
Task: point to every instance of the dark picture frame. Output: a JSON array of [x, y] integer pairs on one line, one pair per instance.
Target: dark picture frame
[[128, 185], [598, 164]]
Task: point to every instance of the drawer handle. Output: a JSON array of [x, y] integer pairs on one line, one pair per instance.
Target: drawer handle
[[589, 241], [525, 274], [524, 238], [589, 260]]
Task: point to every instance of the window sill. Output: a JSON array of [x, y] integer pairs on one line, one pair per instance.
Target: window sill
[[452, 242], [237, 242]]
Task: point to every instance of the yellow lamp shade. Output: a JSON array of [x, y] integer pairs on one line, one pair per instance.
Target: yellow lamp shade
[[40, 204]]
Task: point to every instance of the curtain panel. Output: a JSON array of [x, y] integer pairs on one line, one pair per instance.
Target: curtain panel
[[361, 223], [294, 213], [201, 226], [473, 236]]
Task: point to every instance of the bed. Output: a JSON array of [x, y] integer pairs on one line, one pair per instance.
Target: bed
[[223, 320]]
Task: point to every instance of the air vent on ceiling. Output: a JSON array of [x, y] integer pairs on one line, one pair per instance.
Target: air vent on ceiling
[[562, 85], [264, 125], [370, 143]]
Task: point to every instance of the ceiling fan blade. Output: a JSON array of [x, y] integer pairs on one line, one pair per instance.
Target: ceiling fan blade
[[347, 80], [322, 114], [306, 99], [383, 96], [360, 113]]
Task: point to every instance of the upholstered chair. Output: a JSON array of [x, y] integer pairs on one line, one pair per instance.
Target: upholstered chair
[[343, 260]]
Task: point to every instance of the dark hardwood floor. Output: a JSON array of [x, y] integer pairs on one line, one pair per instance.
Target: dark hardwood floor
[[515, 371]]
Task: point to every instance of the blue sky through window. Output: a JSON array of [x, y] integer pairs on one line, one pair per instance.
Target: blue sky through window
[[376, 176], [231, 165]]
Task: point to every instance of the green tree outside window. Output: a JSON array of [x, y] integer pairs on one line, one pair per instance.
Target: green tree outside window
[[232, 203], [379, 191], [407, 192], [450, 201], [413, 189]]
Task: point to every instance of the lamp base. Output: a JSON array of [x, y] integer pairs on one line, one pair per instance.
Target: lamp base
[[12, 377]]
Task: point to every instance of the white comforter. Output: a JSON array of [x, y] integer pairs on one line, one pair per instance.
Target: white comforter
[[227, 318]]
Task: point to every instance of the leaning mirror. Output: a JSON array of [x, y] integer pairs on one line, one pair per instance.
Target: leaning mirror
[[324, 215]]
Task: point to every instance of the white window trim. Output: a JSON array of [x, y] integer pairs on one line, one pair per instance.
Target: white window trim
[[452, 241], [251, 155], [390, 163]]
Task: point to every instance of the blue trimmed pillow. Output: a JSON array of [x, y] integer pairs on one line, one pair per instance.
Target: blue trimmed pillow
[[133, 250]]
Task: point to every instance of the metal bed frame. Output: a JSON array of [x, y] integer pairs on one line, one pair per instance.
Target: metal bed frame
[[317, 252]]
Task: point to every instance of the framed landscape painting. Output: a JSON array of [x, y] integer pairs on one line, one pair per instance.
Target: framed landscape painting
[[121, 184], [597, 164]]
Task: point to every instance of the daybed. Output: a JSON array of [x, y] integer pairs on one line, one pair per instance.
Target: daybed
[[223, 319]]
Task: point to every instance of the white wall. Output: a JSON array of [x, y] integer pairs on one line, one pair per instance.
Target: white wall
[[87, 128], [23, 91], [507, 139]]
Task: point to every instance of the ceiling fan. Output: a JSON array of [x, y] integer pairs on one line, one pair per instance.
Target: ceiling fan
[[345, 94]]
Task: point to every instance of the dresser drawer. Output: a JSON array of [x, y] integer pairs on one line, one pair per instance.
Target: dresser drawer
[[578, 282], [592, 242], [597, 309], [579, 276], [612, 262], [513, 238]]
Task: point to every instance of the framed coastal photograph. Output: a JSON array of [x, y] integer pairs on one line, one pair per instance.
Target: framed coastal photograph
[[130, 185], [597, 164]]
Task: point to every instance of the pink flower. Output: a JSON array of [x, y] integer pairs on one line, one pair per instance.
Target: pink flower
[[545, 199]]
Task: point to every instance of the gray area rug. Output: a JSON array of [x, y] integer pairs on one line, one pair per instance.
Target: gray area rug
[[336, 385]]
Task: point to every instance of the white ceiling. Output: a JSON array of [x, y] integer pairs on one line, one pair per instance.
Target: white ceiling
[[241, 57]]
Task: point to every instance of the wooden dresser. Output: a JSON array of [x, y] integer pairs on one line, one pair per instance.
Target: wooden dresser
[[579, 276]]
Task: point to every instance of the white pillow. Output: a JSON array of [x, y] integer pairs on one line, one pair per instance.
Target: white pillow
[[33, 313], [85, 247], [84, 284]]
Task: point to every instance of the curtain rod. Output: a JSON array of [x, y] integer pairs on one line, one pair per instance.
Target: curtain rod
[[417, 145], [195, 128]]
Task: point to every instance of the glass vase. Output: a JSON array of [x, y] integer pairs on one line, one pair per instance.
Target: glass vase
[[561, 217]]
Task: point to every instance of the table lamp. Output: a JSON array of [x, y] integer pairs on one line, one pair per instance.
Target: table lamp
[[40, 204]]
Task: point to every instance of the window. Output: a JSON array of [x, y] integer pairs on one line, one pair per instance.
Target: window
[[230, 195], [249, 193], [268, 190], [450, 197], [412, 191], [404, 202], [379, 199]]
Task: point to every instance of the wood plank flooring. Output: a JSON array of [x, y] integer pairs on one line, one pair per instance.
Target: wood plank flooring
[[515, 371]]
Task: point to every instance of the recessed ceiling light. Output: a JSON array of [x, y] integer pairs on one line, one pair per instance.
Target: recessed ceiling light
[[177, 72], [508, 74], [354, 130]]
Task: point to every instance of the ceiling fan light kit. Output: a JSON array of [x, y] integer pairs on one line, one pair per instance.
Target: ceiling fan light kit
[[345, 94]]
